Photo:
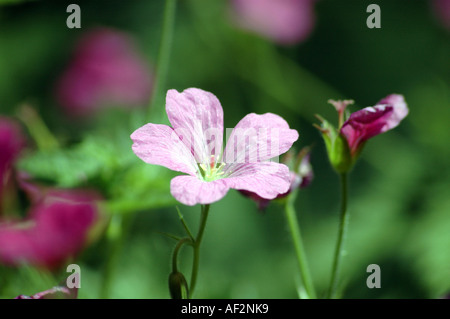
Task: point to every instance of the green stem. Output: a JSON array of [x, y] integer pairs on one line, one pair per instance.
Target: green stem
[[116, 234], [163, 58], [44, 139], [299, 248], [180, 244], [198, 240], [343, 226]]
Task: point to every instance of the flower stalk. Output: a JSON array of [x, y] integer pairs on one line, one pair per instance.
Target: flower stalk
[[196, 246], [163, 58], [298, 245], [343, 228]]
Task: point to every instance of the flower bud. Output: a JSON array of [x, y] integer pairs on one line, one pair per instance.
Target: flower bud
[[178, 286]]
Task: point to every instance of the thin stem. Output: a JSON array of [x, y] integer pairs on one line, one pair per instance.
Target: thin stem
[[198, 240], [343, 226], [180, 244], [298, 245], [163, 58], [44, 139], [117, 232], [186, 227]]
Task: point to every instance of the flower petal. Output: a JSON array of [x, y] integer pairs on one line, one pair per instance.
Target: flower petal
[[266, 179], [400, 110], [158, 144], [190, 190], [371, 121], [197, 117], [257, 138]]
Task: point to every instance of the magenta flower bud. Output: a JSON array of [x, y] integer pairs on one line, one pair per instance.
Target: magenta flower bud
[[282, 21], [55, 229], [345, 144], [371, 121], [305, 170], [106, 71]]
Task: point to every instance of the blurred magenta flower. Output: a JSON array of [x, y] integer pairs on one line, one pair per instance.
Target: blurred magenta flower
[[194, 146], [12, 141], [58, 292], [301, 176], [106, 71], [55, 229], [441, 9], [282, 21], [345, 145]]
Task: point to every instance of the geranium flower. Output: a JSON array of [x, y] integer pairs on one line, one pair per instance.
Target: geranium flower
[[55, 229], [301, 176], [345, 145], [283, 21], [106, 71], [193, 145]]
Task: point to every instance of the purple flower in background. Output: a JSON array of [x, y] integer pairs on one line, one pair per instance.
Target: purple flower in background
[[12, 142], [371, 121], [283, 21], [441, 9], [55, 229], [301, 176], [193, 145], [106, 71]]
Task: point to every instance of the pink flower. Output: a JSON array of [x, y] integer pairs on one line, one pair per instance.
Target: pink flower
[[441, 9], [194, 146], [371, 121], [106, 70], [55, 229], [283, 21], [12, 142]]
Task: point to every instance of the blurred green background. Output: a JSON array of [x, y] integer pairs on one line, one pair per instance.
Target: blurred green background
[[399, 189]]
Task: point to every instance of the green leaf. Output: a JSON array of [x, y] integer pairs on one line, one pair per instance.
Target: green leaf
[[93, 158]]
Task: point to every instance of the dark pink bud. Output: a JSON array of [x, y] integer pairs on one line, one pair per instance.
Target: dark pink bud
[[371, 121]]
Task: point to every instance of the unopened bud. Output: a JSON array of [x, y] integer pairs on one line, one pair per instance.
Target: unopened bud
[[178, 286]]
